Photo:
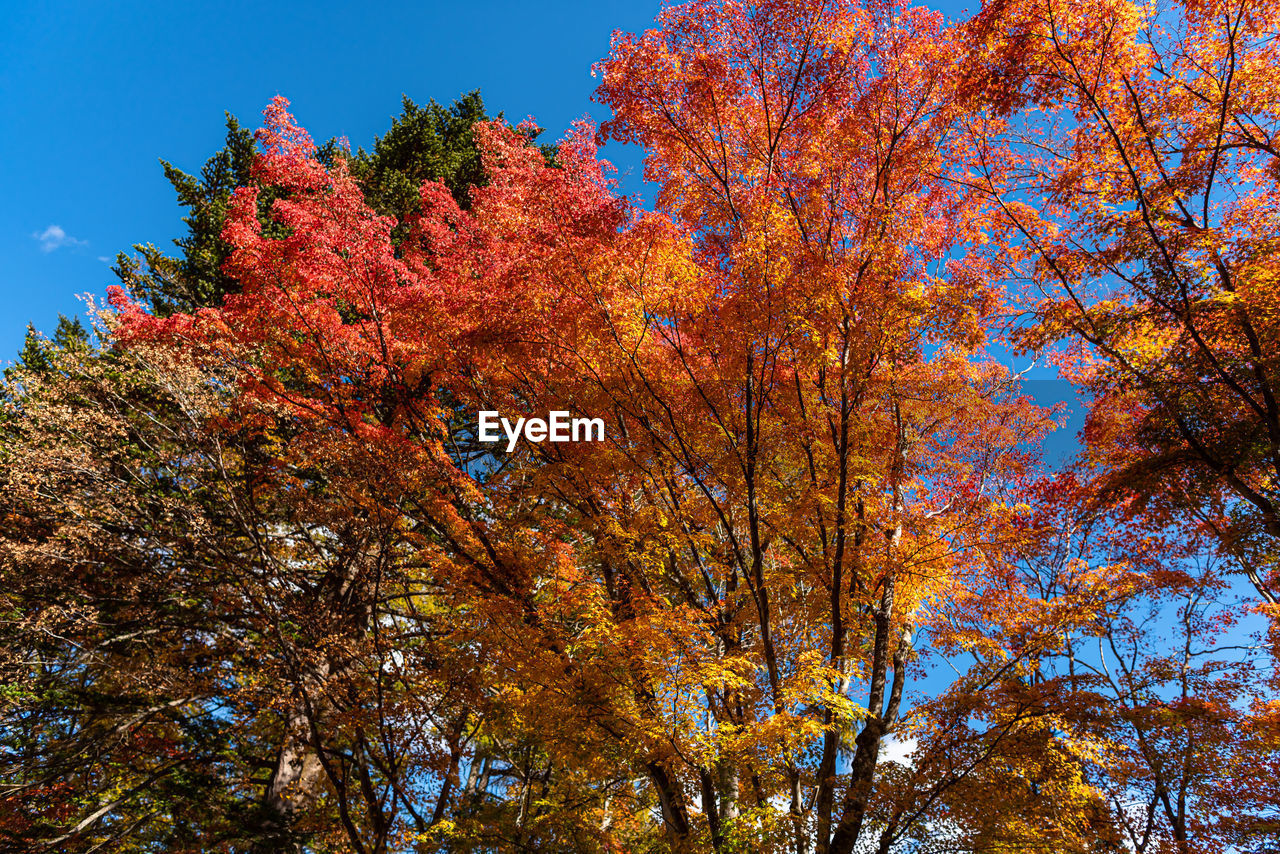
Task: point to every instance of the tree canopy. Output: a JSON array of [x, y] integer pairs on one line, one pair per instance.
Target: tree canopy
[[265, 588]]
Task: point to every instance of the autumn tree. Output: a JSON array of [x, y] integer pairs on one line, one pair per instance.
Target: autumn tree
[[195, 659], [1143, 191], [1132, 150], [235, 784], [110, 713]]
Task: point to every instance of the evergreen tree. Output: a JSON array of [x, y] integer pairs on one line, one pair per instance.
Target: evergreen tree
[[193, 278], [36, 351]]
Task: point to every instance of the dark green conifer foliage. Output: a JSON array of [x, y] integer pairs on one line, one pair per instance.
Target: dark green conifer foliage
[[194, 278], [36, 348], [425, 143]]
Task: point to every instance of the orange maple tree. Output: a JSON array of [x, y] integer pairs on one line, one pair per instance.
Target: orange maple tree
[[1132, 150], [808, 451]]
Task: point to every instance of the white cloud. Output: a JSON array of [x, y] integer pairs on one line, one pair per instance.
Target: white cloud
[[898, 750], [54, 237]]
